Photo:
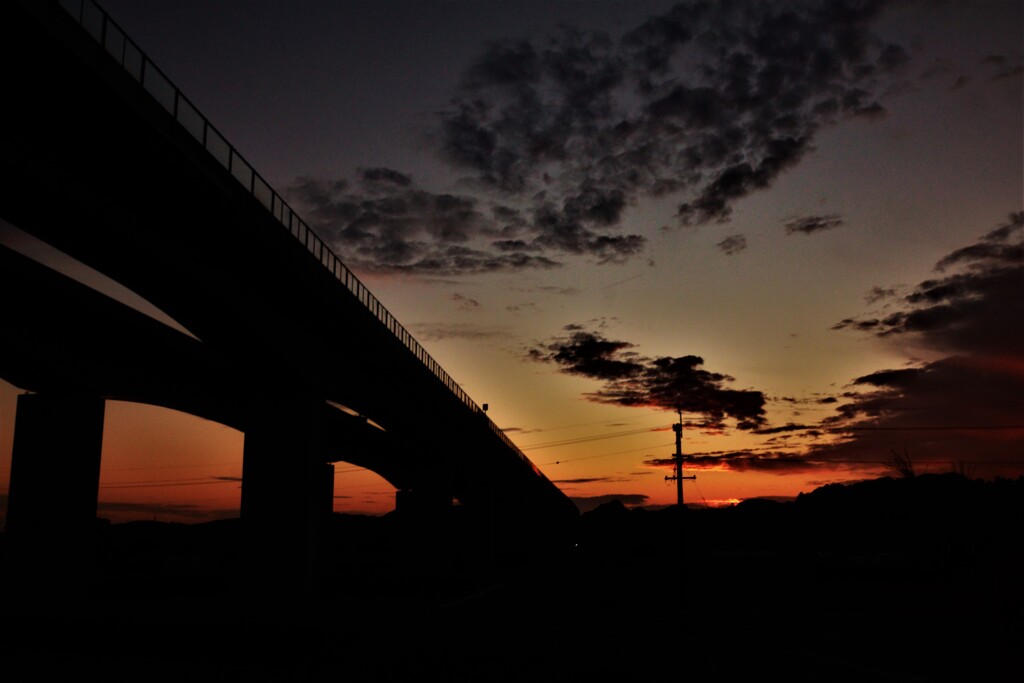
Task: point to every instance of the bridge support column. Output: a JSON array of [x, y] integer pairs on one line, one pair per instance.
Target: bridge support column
[[287, 491], [55, 473], [425, 515]]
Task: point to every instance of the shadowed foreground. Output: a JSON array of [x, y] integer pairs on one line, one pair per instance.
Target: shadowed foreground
[[891, 580]]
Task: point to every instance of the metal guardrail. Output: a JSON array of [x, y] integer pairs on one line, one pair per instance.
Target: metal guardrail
[[98, 24]]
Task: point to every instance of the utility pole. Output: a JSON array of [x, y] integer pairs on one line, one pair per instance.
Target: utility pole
[[678, 478]]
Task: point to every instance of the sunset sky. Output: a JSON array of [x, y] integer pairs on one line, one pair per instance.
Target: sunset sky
[[804, 220]]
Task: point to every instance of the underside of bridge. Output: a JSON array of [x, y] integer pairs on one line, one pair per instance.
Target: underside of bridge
[[96, 167]]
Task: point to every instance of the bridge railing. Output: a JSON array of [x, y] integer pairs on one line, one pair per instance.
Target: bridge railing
[[98, 24]]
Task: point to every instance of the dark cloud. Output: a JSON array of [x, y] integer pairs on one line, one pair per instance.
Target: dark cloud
[[876, 294], [743, 461], [559, 137], [954, 411], [785, 428], [976, 309], [630, 379], [1002, 244], [889, 378], [569, 230], [862, 324], [386, 223], [960, 412], [967, 406], [586, 480], [711, 100], [811, 224], [733, 244], [591, 355]]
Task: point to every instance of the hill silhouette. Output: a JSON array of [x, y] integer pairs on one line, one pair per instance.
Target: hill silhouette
[[913, 578]]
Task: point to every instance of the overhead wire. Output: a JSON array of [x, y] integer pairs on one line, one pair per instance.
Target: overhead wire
[[585, 439], [603, 455], [589, 424]]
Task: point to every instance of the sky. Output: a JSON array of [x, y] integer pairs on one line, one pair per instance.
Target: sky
[[798, 226]]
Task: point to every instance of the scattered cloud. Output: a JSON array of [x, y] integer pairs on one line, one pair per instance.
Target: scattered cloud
[[733, 244], [1002, 67], [713, 100], [588, 480], [960, 411], [784, 428], [876, 294], [811, 224], [558, 137], [464, 302], [630, 379], [520, 308], [386, 223]]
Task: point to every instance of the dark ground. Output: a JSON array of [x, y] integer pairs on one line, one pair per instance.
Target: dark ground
[[892, 580]]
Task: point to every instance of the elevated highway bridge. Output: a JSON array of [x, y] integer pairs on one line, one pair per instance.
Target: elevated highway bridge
[[107, 161]]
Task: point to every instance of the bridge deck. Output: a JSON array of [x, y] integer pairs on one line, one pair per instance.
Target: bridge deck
[[135, 182]]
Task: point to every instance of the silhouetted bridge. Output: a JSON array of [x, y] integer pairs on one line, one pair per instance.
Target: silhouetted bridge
[[107, 161]]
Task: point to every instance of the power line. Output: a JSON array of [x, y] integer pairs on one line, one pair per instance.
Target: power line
[[602, 455], [584, 439], [589, 424]]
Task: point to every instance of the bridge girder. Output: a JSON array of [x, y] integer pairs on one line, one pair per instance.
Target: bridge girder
[[124, 188]]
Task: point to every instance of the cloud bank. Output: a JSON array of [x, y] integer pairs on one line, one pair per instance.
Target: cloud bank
[[967, 407], [963, 411]]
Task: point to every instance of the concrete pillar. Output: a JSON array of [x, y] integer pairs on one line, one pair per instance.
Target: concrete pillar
[[287, 490], [425, 517], [55, 473], [323, 496]]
